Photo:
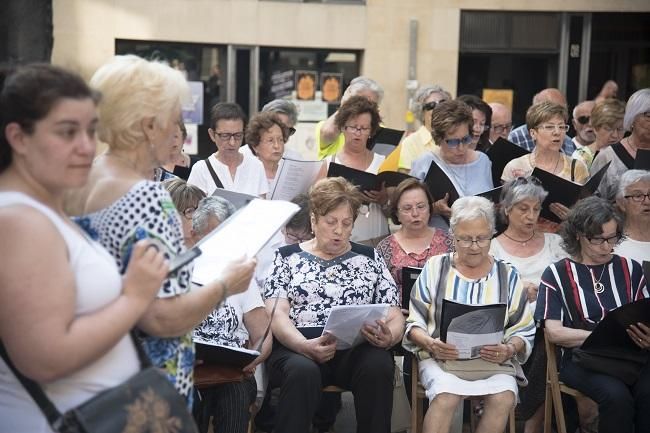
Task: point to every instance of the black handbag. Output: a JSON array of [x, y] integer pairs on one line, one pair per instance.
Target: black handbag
[[624, 365], [147, 402]]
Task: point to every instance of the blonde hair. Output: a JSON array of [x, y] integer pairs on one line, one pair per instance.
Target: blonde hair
[[134, 89], [543, 112], [607, 113], [329, 193]]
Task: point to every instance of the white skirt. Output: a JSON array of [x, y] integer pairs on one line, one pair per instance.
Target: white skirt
[[436, 381]]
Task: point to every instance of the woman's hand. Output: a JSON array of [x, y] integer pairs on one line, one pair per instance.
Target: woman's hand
[[441, 207], [531, 291], [237, 276], [320, 349], [249, 370], [560, 210], [379, 336], [145, 273], [640, 334], [440, 350], [380, 197], [497, 353]]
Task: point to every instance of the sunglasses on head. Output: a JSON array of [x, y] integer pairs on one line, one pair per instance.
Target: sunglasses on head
[[583, 120], [526, 180], [431, 105]]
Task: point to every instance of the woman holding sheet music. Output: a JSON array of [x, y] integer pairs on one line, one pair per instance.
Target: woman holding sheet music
[[139, 111], [312, 277], [577, 293], [546, 122], [468, 170], [469, 276], [530, 251], [358, 119]]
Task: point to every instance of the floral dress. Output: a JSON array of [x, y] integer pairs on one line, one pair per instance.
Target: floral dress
[[146, 211]]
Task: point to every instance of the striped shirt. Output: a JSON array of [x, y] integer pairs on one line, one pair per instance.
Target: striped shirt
[[567, 289], [424, 308]]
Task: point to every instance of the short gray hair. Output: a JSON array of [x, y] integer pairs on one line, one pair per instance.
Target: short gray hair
[[470, 208], [638, 103], [630, 177], [215, 206], [520, 189], [361, 83], [285, 107], [422, 94]]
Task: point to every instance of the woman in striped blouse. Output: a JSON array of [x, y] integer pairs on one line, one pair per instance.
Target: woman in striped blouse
[[576, 293], [470, 276]]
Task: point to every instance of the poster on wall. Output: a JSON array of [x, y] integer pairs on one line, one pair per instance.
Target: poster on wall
[[193, 110], [306, 85], [330, 86], [282, 84], [503, 96]]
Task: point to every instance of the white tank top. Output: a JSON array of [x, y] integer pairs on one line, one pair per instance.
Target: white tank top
[[98, 283]]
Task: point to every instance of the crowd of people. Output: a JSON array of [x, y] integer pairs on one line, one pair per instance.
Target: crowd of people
[[93, 284]]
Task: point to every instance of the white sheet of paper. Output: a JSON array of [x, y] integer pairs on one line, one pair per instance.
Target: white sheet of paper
[[469, 345], [295, 178], [345, 322], [243, 234]]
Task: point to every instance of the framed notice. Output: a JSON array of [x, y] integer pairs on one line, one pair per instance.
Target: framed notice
[[330, 86], [306, 85], [503, 96]]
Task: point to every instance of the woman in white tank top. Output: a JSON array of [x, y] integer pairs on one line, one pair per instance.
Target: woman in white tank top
[[65, 311]]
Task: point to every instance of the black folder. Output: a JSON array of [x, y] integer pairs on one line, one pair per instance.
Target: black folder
[[224, 355], [610, 333], [364, 180], [564, 191], [409, 275], [439, 184], [642, 160], [494, 194], [501, 153], [385, 140]]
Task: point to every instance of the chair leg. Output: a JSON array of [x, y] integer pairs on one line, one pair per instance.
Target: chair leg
[[548, 409], [559, 409]]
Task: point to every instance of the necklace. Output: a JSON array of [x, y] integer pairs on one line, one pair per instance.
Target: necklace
[[533, 162], [598, 286], [524, 242]]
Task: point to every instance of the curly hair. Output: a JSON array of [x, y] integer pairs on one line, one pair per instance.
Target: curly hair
[[329, 193], [354, 107], [586, 218], [261, 123]]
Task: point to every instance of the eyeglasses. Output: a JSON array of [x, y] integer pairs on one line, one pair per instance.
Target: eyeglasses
[[362, 130], [638, 197], [455, 142], [553, 128], [274, 140], [583, 120], [500, 129], [613, 240], [227, 136], [481, 242], [189, 212], [420, 207], [292, 130], [297, 238], [609, 130], [431, 105]]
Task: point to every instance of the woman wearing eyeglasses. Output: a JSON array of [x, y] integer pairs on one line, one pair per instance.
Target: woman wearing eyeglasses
[[530, 251], [471, 276], [420, 142], [546, 122], [415, 241], [607, 121], [186, 198], [358, 119], [577, 292], [469, 170], [266, 136], [229, 168], [633, 199], [622, 154]]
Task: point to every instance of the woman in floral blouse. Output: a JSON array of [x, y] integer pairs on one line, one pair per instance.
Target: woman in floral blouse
[[415, 241], [309, 279]]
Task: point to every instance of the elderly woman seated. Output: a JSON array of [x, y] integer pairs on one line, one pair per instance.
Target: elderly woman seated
[[309, 279], [633, 199], [577, 293], [239, 322], [470, 276]]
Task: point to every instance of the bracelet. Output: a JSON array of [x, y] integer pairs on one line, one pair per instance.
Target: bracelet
[[514, 348]]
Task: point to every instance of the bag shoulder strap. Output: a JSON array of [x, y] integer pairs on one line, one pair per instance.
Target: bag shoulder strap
[[622, 154], [35, 391], [215, 178], [573, 170], [445, 265]]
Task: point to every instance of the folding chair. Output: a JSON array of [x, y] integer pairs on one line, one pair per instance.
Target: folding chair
[[418, 396], [554, 388]]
